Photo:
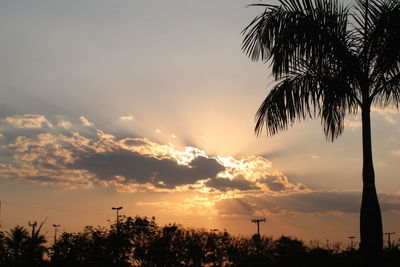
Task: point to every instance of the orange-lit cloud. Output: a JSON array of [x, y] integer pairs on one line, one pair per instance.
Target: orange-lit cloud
[[223, 186], [85, 121], [64, 124], [27, 121]]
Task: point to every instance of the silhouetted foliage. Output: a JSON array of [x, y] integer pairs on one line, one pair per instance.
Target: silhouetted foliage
[[19, 248], [139, 241]]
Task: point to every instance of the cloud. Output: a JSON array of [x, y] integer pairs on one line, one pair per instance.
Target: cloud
[[353, 124], [28, 121], [85, 121], [126, 118], [387, 113], [226, 184], [133, 142], [395, 152], [279, 184], [137, 168], [64, 124], [105, 159], [68, 158], [316, 202]]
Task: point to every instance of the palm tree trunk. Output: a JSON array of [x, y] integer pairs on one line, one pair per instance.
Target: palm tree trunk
[[370, 216]]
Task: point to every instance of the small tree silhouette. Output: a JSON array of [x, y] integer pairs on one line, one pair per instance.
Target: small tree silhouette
[[24, 249]]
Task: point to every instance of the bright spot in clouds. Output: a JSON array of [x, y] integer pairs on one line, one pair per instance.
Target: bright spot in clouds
[[126, 118]]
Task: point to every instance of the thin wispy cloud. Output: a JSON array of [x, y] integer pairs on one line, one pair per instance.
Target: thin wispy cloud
[[28, 121], [389, 114], [126, 118], [353, 124], [64, 124], [85, 121]]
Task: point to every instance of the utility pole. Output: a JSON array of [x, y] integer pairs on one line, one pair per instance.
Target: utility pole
[[117, 209], [388, 235], [55, 232], [33, 225], [351, 241], [117, 248], [258, 224], [257, 237]]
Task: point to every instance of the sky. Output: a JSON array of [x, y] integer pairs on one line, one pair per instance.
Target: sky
[[150, 105]]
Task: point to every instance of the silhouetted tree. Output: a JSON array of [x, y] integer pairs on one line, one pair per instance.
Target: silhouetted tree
[[327, 66], [15, 242], [3, 251], [139, 241], [289, 252], [23, 249], [140, 233], [92, 247]]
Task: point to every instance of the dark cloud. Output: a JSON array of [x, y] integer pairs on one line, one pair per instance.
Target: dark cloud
[[276, 186], [274, 183], [224, 184], [137, 168], [312, 202], [133, 142]]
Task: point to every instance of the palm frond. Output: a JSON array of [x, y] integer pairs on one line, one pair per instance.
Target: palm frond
[[308, 93], [389, 88], [384, 52], [313, 30]]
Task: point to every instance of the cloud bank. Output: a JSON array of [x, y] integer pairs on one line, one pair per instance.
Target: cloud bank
[[58, 154]]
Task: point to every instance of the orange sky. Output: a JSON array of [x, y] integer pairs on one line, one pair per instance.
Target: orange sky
[[150, 106]]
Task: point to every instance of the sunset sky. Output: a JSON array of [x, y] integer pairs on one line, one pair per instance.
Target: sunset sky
[[150, 105]]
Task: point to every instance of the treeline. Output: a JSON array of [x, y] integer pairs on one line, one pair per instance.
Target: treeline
[[139, 241]]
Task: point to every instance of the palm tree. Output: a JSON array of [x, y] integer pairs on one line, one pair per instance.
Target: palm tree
[[329, 60], [35, 246], [15, 242], [25, 250]]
